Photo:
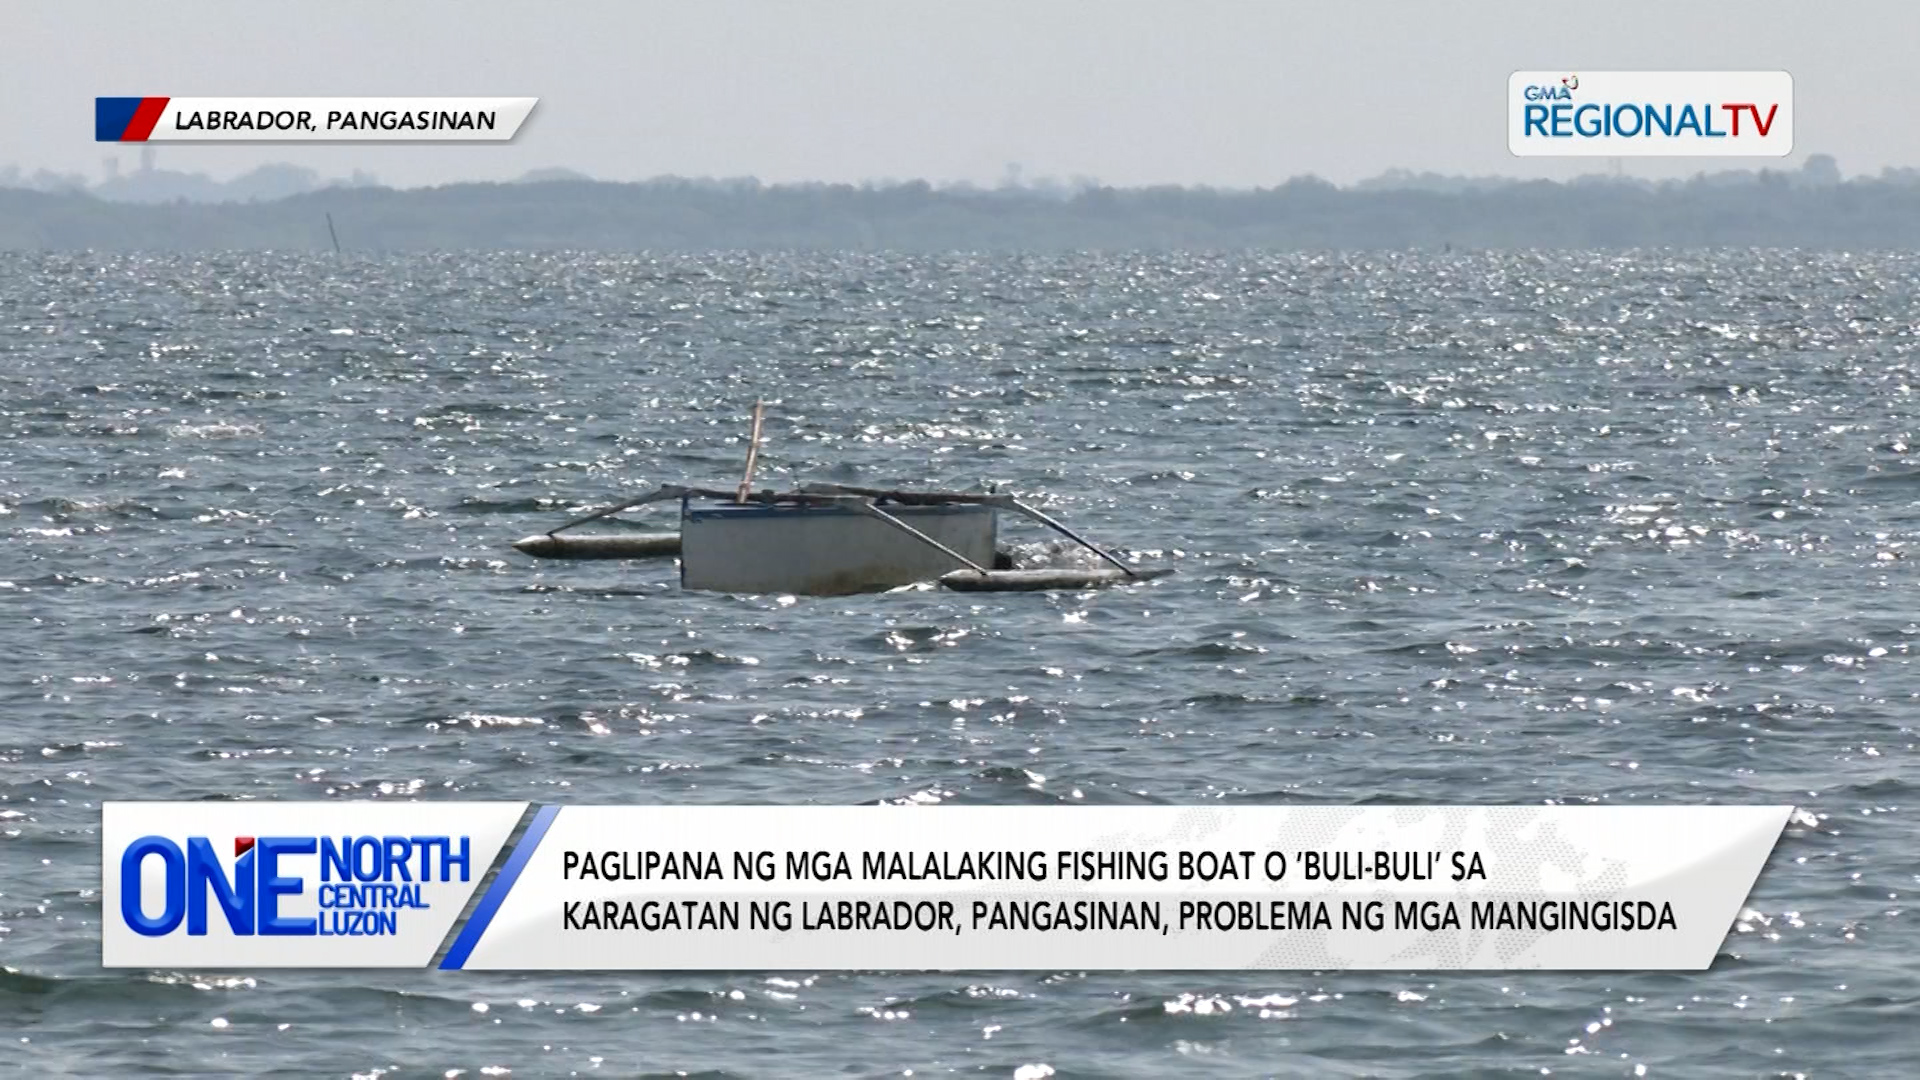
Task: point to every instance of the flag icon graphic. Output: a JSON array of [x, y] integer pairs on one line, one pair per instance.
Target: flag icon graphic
[[126, 119]]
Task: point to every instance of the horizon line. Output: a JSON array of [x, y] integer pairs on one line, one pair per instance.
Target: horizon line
[[15, 178]]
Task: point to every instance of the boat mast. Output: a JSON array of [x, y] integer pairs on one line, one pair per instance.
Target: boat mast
[[753, 454]]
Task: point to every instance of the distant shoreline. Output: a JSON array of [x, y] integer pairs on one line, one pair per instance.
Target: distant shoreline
[[1742, 209]]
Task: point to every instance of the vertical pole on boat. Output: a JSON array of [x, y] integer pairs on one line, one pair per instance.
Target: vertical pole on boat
[[753, 453], [335, 235]]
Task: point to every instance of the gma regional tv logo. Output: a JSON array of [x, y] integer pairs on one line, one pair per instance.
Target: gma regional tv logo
[[252, 884], [1650, 113]]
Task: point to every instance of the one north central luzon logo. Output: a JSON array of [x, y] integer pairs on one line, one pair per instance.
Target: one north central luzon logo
[[1560, 111], [366, 883]]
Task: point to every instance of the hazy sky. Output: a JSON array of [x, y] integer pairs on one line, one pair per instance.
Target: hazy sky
[[1179, 91]]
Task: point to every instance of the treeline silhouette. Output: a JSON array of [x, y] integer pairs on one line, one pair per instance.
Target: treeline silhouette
[[1806, 208]]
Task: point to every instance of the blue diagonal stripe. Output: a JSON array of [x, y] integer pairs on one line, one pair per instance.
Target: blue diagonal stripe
[[471, 933], [111, 115]]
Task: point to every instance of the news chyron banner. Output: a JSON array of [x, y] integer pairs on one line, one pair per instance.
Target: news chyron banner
[[670, 888], [1650, 113], [291, 884], [302, 119]]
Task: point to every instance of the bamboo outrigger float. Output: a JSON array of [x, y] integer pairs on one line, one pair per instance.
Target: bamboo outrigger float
[[831, 539]]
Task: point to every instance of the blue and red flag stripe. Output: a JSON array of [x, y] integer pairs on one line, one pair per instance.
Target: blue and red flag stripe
[[126, 119]]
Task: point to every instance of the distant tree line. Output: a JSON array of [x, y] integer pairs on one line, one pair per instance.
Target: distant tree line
[[1810, 207]]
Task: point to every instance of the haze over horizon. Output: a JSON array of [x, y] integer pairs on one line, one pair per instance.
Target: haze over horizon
[[1128, 94]]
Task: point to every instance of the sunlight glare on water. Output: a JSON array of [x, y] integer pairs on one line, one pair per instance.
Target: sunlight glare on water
[[1579, 528]]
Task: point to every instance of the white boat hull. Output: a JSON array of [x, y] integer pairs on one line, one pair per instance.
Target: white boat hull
[[825, 551]]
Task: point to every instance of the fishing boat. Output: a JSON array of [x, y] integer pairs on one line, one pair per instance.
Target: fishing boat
[[832, 539], [829, 539], [824, 548]]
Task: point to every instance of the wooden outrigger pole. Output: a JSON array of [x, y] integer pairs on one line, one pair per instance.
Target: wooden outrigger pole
[[1006, 502], [865, 506]]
